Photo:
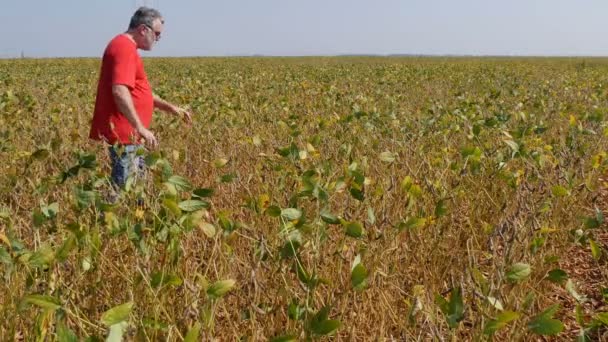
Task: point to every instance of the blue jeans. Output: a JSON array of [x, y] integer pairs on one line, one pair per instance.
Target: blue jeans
[[128, 164]]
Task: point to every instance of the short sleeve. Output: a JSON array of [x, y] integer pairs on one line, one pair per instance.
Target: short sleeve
[[124, 64]]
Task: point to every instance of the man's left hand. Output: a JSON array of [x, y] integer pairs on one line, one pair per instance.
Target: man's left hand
[[186, 115]]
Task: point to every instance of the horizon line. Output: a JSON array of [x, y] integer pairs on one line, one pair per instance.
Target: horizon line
[[327, 56]]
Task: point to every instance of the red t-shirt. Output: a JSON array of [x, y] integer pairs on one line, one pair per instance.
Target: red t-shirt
[[121, 64]]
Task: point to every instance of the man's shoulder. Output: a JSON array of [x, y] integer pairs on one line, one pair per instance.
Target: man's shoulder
[[120, 43]]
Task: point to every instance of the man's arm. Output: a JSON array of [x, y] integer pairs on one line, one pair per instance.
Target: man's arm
[[171, 108], [124, 102]]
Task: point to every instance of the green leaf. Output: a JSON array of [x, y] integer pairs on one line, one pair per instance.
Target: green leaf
[[322, 315], [545, 326], [602, 318], [295, 311], [191, 221], [64, 334], [354, 229], [412, 223], [38, 218], [304, 276], [227, 178], [455, 312], [442, 303], [291, 214], [289, 152], [44, 256], [151, 323], [273, 211], [454, 309], [327, 327], [220, 288], [220, 162], [518, 272], [85, 199], [406, 183], [226, 223], [557, 276], [357, 194], [87, 161], [560, 191], [51, 210], [441, 208], [528, 300], [358, 277], [117, 314], [172, 206], [193, 333], [4, 213], [596, 251], [203, 193], [591, 223], [536, 244], [285, 338], [468, 151], [320, 325], [193, 205], [5, 257], [329, 218], [415, 191], [160, 279], [550, 311], [501, 321], [476, 129], [180, 183], [40, 154], [68, 245], [387, 157], [42, 301]]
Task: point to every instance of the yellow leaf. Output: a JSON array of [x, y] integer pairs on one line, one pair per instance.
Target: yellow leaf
[[263, 201], [208, 229], [4, 239], [220, 162], [547, 230]]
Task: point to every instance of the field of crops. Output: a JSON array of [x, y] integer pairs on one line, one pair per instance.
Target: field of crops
[[342, 198]]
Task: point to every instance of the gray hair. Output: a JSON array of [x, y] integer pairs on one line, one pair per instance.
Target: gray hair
[[144, 16]]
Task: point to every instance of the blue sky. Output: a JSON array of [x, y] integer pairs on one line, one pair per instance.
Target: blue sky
[[44, 28]]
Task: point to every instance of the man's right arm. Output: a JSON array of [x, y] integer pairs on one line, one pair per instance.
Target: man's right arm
[[124, 102]]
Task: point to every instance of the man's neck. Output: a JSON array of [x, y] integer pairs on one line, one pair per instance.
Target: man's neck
[[129, 35]]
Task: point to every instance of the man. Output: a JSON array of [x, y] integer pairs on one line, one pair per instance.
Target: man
[[125, 102]]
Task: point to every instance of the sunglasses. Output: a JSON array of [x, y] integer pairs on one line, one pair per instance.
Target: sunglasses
[[156, 33]]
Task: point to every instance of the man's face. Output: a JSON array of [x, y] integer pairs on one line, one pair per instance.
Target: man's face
[[149, 35]]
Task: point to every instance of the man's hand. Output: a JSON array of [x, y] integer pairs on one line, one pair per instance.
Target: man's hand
[[148, 136], [168, 107], [186, 115]]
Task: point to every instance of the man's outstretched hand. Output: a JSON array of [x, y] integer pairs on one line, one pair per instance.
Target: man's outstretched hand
[[148, 136], [186, 115]]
